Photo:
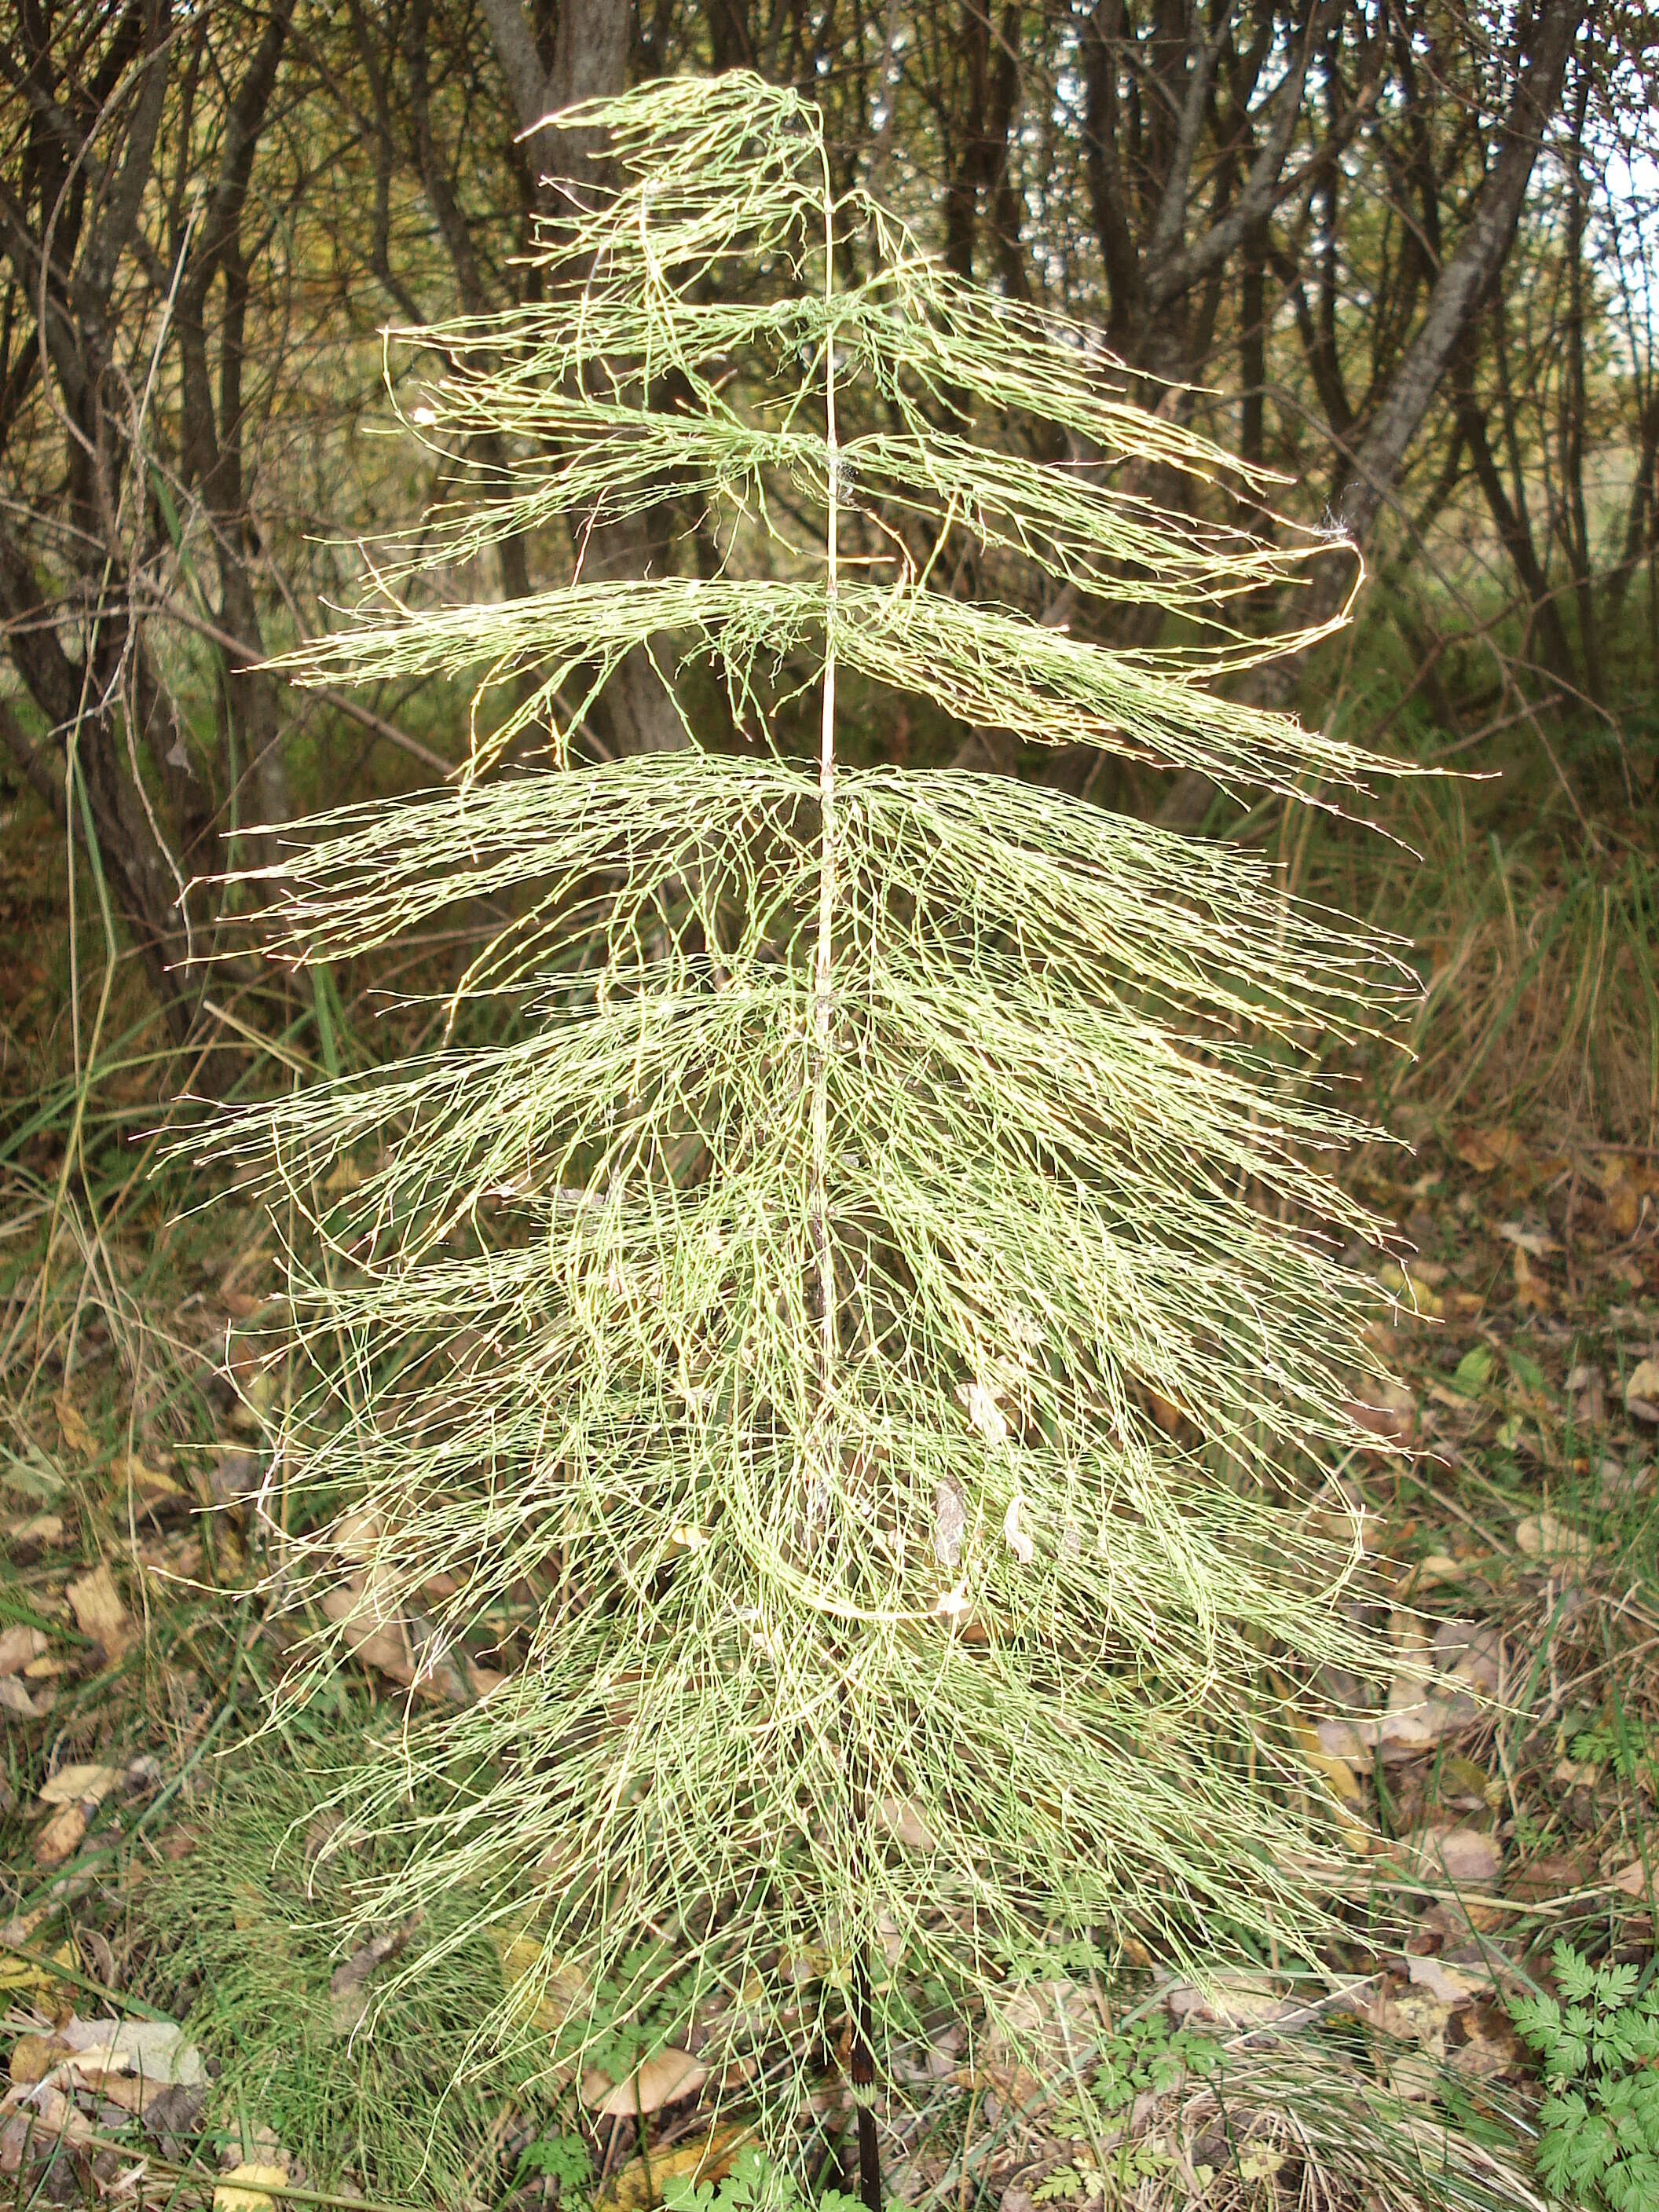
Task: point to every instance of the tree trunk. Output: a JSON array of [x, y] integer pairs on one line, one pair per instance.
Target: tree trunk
[[590, 61]]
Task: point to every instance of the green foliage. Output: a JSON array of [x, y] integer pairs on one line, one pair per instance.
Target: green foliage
[[754, 2185], [253, 1925], [1622, 1745], [1473, 1371], [1149, 2055], [778, 1337], [1600, 2051], [1143, 2056], [563, 2157], [634, 2013]]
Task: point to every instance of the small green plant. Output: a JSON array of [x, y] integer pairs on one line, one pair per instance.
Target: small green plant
[[1600, 2057], [754, 2185], [633, 2014], [1627, 1751], [1142, 2057], [563, 2159], [1149, 2054]]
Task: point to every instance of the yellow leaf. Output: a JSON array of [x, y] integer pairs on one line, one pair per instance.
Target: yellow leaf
[[1531, 1290], [1641, 1386], [32, 2058], [1260, 2163], [99, 1613], [1335, 1768], [149, 1485], [706, 2157], [521, 1956], [21, 1978], [72, 1426], [253, 2193]]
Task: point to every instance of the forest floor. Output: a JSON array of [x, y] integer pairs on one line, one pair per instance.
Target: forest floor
[[1500, 1800]]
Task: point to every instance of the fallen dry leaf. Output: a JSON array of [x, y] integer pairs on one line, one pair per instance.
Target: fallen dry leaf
[[348, 1985], [1450, 1985], [1632, 1880], [61, 1837], [1239, 1999], [1458, 1780], [665, 2080], [131, 2061], [369, 1622], [1439, 1566], [1553, 1874], [16, 1700], [99, 1613], [247, 2189], [1340, 1739], [358, 1535], [950, 1521], [1642, 1392], [1532, 1291], [985, 1416], [1413, 1720], [72, 1785], [1485, 1150], [1466, 1857], [44, 2117], [1492, 2050], [40, 1529], [1470, 1857], [1588, 1393], [1533, 1241], [1018, 1542], [905, 1824], [1541, 1536], [18, 1645], [1385, 1409], [707, 2156], [72, 1426], [1412, 2015]]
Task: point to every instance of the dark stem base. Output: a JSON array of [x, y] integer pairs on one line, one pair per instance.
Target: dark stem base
[[869, 2161], [863, 2079]]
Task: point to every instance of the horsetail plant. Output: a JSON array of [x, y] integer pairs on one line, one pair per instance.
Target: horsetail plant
[[843, 1331]]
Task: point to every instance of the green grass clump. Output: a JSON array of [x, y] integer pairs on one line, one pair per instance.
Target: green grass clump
[[362, 2081]]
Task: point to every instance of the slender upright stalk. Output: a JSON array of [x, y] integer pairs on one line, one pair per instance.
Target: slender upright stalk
[[862, 2053], [822, 1009]]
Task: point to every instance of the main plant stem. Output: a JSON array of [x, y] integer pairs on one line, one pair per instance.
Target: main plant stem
[[823, 1006], [861, 2039]]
